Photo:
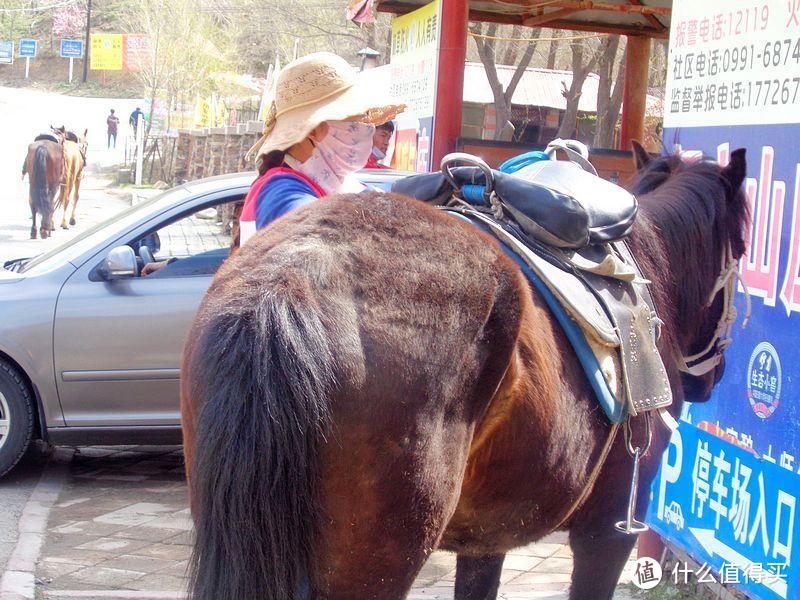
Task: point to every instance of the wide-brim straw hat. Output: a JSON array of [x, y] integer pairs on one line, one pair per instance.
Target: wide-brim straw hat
[[316, 88]]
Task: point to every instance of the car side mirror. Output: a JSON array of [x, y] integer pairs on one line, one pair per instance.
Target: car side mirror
[[120, 263]]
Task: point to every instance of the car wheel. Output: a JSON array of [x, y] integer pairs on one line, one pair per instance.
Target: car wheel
[[16, 418]]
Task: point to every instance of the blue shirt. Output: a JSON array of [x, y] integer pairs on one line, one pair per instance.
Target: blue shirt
[[280, 195]]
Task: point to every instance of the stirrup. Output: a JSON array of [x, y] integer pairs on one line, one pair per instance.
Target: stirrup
[[632, 526]]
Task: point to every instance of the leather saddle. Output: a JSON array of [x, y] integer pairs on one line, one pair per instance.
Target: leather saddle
[[565, 227], [560, 205], [49, 137]]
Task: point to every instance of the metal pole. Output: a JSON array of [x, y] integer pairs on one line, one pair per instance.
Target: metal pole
[[27, 65], [86, 48], [450, 79], [139, 149], [70, 68]]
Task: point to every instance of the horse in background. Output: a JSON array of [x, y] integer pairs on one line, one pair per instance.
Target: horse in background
[[74, 162], [369, 379], [44, 164]]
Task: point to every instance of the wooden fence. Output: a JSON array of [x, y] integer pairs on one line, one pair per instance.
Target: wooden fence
[[197, 153]]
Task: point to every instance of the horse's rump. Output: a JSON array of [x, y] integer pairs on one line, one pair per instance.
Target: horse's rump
[[401, 321], [44, 167]]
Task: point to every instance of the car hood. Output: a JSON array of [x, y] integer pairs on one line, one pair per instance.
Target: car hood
[[7, 276]]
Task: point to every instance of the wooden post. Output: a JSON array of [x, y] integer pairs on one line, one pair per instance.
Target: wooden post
[[450, 84], [634, 102]]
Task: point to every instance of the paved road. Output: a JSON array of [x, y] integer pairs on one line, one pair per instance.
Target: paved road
[[27, 113]]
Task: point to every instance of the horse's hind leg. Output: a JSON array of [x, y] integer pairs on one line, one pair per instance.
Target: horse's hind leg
[[63, 200], [33, 225], [477, 578], [77, 186], [387, 498], [598, 560]]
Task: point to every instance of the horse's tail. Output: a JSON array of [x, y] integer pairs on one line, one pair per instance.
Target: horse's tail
[[41, 196], [260, 379]]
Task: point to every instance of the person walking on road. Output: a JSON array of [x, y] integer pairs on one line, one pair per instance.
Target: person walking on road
[[134, 120], [112, 125]]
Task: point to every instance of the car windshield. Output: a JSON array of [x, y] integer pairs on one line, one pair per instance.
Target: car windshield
[[101, 232]]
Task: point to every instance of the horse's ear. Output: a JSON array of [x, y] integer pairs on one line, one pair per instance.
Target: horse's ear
[[85, 132], [736, 170], [640, 156]]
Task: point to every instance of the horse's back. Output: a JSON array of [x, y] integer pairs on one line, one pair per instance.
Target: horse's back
[[407, 283]]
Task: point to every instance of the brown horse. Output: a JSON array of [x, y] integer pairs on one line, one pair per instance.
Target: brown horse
[[44, 164], [74, 163], [370, 379]]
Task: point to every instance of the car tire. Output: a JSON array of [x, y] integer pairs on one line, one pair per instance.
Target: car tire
[[16, 417]]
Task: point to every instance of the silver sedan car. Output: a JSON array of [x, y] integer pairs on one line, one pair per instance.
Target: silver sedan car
[[90, 350]]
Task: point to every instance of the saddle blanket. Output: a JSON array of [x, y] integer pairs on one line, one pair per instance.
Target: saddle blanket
[[605, 310]]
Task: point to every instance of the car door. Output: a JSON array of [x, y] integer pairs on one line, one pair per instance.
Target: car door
[[118, 344]]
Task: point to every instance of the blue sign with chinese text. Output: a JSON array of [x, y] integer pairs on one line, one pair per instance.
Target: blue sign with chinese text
[[728, 488], [731, 509], [71, 48], [6, 53], [27, 48]]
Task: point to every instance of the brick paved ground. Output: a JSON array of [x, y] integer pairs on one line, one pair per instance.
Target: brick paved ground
[[193, 235], [121, 529], [121, 523]]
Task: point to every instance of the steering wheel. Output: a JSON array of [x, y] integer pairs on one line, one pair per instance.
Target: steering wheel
[[146, 255]]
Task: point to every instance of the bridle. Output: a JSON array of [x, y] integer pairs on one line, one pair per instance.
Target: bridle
[[708, 358]]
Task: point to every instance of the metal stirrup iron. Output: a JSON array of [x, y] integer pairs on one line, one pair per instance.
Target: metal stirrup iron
[[631, 526]]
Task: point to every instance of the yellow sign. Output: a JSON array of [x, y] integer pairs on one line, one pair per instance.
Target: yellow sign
[[105, 52], [414, 70]]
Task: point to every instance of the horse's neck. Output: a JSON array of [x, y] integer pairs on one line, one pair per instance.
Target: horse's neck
[[675, 262]]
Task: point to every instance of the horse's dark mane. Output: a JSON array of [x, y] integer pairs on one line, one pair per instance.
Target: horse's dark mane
[[687, 211]]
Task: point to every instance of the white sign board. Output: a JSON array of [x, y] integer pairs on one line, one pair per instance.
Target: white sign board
[[733, 63]]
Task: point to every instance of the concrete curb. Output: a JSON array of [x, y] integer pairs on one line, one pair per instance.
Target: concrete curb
[[18, 582]]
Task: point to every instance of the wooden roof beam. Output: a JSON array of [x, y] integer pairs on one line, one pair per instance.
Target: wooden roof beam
[[624, 8], [652, 19], [541, 20], [401, 7]]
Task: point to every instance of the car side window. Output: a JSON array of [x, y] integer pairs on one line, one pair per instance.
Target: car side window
[[195, 244]]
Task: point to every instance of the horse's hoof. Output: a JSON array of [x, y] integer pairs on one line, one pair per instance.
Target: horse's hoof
[[33, 235], [72, 221], [64, 226]]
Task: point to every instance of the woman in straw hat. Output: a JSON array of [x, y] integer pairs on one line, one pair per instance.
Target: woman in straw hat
[[318, 132]]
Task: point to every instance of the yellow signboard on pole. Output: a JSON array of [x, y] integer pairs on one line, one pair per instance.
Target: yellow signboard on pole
[[414, 70], [105, 52]]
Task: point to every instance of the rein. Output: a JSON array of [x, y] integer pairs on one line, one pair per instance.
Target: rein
[[701, 363]]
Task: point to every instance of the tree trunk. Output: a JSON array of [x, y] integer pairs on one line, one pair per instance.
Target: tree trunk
[[606, 115], [512, 48], [551, 53], [569, 120], [502, 97]]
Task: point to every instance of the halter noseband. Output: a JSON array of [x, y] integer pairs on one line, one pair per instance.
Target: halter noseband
[[701, 363]]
